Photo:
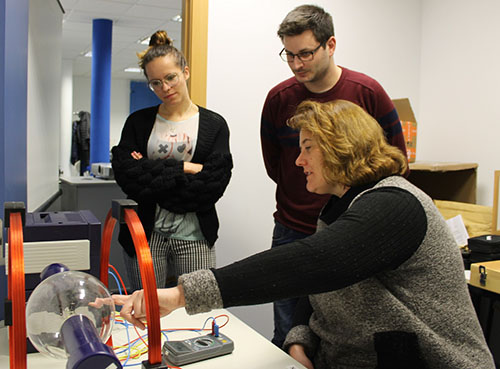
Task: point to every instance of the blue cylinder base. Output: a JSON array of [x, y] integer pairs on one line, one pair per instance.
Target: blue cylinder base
[[84, 346]]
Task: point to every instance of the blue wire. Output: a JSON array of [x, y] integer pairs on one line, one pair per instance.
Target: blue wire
[[127, 325], [125, 363], [116, 280], [128, 340], [206, 321], [129, 349]]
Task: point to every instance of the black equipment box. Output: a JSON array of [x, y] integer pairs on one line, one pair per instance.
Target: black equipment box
[[484, 248], [59, 227]]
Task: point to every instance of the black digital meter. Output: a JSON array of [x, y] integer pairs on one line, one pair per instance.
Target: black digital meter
[[196, 349]]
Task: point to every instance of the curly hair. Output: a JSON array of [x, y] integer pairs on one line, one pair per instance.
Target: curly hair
[[354, 147], [160, 45]]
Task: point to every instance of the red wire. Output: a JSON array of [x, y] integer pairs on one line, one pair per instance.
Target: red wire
[[125, 290], [225, 316], [119, 278]]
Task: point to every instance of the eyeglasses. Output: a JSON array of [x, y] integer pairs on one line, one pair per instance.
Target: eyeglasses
[[170, 80], [303, 55]]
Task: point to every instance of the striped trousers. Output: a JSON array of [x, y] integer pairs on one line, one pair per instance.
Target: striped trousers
[[171, 258]]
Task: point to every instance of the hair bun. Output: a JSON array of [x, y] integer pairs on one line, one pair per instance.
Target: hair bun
[[160, 38]]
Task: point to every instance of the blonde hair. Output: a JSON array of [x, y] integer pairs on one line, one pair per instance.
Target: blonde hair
[[160, 45], [355, 150]]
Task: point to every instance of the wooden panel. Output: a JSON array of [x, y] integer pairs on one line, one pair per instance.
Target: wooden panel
[[477, 218], [492, 276], [194, 47], [495, 229]]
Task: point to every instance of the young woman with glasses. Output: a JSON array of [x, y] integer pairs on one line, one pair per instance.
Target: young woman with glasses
[[173, 159]]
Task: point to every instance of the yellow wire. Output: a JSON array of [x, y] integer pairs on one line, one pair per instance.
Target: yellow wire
[[136, 351]]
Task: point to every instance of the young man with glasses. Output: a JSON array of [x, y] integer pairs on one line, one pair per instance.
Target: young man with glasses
[[309, 44]]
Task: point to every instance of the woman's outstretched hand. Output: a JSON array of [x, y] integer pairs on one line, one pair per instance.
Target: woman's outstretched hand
[[134, 305]]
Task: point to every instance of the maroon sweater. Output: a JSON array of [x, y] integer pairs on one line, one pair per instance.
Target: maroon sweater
[[296, 208]]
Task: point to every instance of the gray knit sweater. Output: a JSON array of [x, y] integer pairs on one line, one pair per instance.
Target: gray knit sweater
[[424, 294]]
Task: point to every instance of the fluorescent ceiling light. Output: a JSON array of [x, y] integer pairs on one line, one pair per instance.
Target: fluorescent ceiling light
[[144, 41], [177, 18], [133, 70], [88, 54]]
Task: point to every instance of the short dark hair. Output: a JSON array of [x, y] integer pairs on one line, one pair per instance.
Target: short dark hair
[[307, 17]]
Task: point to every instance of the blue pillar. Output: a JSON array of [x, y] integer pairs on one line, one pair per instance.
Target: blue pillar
[[100, 90], [14, 15]]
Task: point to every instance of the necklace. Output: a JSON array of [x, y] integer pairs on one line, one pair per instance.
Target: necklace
[[172, 116]]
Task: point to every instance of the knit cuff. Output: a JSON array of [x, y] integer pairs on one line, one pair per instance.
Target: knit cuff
[[303, 335], [201, 292]]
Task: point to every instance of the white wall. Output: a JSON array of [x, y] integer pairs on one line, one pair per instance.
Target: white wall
[[66, 169], [44, 94], [459, 112], [379, 38], [119, 105], [382, 39]]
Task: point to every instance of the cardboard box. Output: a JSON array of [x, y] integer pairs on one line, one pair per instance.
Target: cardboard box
[[486, 275], [477, 218], [445, 181], [409, 125]]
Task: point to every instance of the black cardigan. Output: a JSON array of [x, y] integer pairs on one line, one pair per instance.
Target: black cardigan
[[163, 181]]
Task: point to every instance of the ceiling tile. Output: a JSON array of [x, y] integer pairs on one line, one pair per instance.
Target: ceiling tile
[[132, 20]]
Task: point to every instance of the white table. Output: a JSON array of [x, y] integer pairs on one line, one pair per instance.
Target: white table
[[251, 350]]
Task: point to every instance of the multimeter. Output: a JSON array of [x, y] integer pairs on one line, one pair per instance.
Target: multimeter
[[196, 349]]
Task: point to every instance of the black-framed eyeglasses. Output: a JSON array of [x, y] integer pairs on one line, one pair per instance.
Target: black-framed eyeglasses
[[170, 80], [303, 55]]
